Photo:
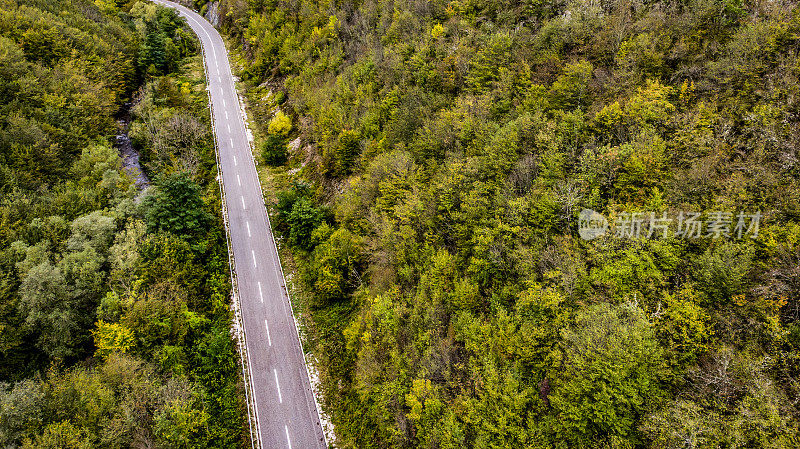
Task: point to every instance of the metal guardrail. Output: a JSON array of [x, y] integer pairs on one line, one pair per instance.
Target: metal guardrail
[[283, 277], [241, 335]]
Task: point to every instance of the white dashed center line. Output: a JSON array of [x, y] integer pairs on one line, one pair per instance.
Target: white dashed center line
[[223, 61], [280, 398]]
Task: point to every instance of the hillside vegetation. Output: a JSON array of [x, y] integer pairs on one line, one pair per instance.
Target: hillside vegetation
[[445, 151], [114, 319]]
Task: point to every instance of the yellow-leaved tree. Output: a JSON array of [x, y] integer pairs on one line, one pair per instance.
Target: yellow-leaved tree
[[112, 337]]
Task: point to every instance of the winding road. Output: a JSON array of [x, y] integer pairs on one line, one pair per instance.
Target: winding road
[[284, 412]]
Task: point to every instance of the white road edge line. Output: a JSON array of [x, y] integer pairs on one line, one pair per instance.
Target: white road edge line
[[255, 399], [280, 398], [258, 424], [269, 340]]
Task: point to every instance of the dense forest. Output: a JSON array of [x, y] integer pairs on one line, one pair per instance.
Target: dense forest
[[433, 159], [114, 302]]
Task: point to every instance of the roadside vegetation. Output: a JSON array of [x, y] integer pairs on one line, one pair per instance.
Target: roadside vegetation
[[114, 303], [440, 154]]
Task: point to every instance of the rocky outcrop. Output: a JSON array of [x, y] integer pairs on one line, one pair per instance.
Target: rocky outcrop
[[212, 14]]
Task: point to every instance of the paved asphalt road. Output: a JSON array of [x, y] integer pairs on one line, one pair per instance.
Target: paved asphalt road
[[285, 411]]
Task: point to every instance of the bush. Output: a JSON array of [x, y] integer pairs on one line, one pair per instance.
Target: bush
[[302, 220], [280, 124], [273, 150]]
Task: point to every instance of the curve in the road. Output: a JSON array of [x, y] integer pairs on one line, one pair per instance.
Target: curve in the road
[[284, 412]]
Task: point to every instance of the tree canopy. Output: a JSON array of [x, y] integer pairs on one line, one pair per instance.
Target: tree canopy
[[114, 317], [441, 154]]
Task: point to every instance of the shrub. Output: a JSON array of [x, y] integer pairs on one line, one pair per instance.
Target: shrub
[[280, 124], [273, 150], [302, 220]]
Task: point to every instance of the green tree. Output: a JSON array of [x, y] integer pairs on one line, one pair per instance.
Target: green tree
[[683, 424], [60, 435], [273, 150], [722, 271], [303, 218], [684, 328], [651, 105], [605, 374], [21, 410], [44, 44], [337, 266], [48, 305], [94, 230], [571, 89], [177, 207], [179, 423]]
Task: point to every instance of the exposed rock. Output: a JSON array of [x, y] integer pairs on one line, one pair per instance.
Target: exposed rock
[[212, 14]]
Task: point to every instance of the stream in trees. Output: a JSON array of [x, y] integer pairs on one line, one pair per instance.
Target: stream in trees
[[130, 157]]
